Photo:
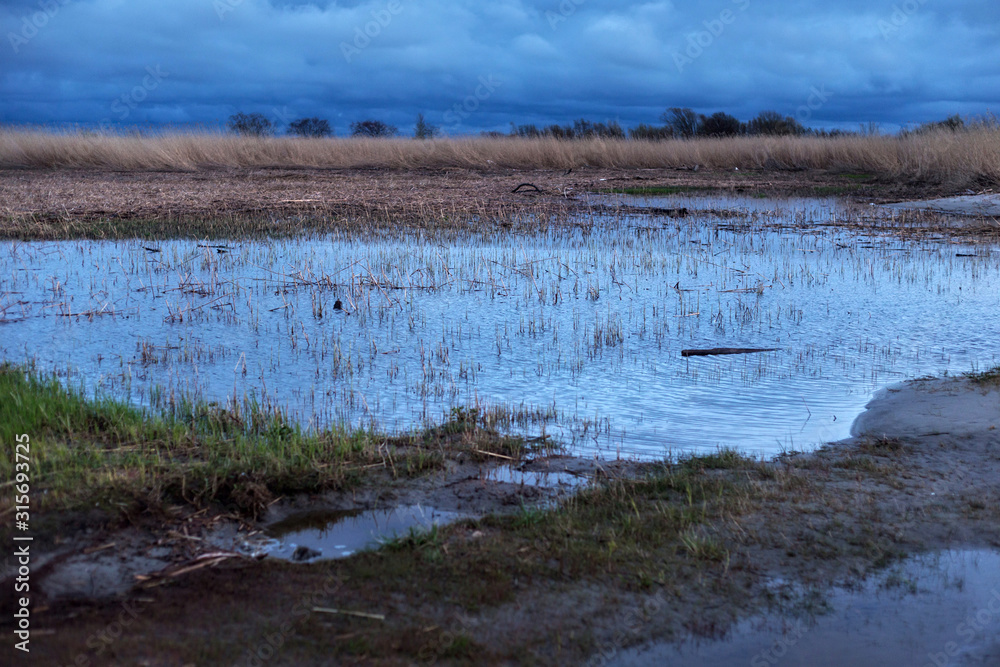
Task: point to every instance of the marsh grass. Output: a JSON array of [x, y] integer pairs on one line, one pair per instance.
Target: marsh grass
[[639, 530], [987, 378], [243, 455], [966, 157], [280, 222], [723, 459]]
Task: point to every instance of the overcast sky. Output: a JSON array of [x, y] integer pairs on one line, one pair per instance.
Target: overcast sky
[[472, 65]]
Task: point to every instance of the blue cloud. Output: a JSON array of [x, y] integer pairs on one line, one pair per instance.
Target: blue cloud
[[894, 62]]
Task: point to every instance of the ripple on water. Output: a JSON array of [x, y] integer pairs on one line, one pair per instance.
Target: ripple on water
[[576, 330]]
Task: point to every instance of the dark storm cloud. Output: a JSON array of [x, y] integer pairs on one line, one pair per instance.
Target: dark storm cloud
[[479, 65]]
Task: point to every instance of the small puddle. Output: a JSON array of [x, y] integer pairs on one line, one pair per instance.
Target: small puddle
[[937, 610], [558, 481], [329, 534]]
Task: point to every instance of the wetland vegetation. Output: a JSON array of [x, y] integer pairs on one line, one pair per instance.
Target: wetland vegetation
[[172, 344], [964, 158]]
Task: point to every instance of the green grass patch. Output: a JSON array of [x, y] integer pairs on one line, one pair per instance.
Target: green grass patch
[[425, 541], [101, 451], [637, 531], [725, 458]]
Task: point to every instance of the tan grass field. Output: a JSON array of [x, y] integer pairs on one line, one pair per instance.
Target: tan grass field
[[963, 158]]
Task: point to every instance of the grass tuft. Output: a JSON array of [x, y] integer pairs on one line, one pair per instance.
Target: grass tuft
[[988, 378], [86, 451]]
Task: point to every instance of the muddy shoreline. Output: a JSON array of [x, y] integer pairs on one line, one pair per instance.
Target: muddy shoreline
[[920, 475]]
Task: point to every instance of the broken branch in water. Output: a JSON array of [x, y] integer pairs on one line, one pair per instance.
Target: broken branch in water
[[726, 350]]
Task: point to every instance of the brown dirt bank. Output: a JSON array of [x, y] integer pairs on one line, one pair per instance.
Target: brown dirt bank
[[684, 551], [43, 203]]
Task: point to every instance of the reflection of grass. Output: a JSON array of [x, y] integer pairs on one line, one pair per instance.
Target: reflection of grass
[[900, 581], [87, 451]]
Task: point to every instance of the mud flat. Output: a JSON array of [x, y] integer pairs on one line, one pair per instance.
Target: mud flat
[[232, 203]]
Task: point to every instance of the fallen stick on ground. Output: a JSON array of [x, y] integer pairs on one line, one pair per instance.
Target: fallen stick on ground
[[359, 614]]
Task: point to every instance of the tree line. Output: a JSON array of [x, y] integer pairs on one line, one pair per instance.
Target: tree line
[[259, 125], [678, 123]]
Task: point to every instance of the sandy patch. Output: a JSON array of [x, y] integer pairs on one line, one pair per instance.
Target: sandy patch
[[926, 408], [980, 205]]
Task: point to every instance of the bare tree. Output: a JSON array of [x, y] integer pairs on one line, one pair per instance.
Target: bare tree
[[251, 124], [683, 121], [372, 128], [310, 127]]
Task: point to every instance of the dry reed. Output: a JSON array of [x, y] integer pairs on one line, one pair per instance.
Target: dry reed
[[956, 158]]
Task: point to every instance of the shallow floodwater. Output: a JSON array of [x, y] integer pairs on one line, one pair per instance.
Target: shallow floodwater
[[941, 610], [576, 330]]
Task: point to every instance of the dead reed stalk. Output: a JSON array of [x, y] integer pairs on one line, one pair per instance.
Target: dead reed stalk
[[957, 158]]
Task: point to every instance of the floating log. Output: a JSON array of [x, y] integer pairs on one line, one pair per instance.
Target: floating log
[[726, 350]]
